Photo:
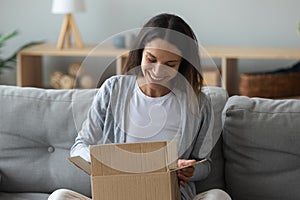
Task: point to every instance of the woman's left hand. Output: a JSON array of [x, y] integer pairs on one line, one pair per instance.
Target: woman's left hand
[[185, 174]]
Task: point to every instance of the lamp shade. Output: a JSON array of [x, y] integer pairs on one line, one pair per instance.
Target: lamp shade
[[67, 6]]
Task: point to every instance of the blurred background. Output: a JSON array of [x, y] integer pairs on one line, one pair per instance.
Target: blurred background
[[242, 23]]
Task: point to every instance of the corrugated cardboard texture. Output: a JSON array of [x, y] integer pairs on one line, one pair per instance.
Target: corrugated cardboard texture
[[175, 191], [148, 171], [158, 186], [172, 154], [116, 159]]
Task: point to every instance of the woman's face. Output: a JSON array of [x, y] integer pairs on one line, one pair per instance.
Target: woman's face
[[160, 63]]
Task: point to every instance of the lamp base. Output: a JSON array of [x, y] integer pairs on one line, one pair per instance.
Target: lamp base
[[69, 26]]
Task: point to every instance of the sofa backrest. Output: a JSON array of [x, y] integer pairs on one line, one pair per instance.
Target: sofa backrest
[[37, 130], [215, 179], [261, 148]]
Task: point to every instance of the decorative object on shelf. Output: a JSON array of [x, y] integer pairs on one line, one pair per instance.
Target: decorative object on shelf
[[10, 62], [75, 78], [123, 40], [59, 80], [67, 81], [82, 78], [86, 82], [55, 79], [68, 7], [276, 84], [129, 40], [74, 69], [119, 41]]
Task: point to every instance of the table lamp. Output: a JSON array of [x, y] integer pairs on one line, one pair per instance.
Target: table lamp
[[68, 7]]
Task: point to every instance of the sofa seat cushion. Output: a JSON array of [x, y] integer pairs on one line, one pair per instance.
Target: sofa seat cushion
[[261, 148], [22, 196]]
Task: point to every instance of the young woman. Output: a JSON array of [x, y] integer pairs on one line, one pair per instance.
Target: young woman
[[159, 99]]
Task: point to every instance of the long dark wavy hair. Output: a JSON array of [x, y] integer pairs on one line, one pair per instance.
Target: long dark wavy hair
[[176, 31]]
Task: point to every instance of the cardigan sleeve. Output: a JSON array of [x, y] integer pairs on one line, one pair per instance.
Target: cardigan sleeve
[[203, 147], [91, 132]]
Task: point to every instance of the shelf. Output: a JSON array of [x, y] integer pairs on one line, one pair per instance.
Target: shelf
[[29, 61]]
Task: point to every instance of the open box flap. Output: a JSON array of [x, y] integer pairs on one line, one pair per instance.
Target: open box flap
[[134, 164], [112, 159], [86, 166], [81, 163]]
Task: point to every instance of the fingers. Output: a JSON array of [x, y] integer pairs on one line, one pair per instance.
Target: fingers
[[184, 175], [182, 162], [187, 172], [183, 179]]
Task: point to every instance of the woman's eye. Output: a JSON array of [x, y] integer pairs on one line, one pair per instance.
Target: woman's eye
[[171, 65], [151, 60]]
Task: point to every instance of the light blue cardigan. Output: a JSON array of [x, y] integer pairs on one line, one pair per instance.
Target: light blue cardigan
[[107, 112]]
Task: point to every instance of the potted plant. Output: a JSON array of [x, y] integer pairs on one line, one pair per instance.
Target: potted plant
[[10, 62]]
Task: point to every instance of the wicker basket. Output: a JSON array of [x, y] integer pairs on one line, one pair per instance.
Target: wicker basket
[[270, 85]]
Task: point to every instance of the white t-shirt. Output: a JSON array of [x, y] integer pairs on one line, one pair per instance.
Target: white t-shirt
[[152, 119]]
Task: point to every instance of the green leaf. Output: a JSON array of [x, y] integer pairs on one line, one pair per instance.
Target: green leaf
[[6, 37], [14, 56], [10, 62]]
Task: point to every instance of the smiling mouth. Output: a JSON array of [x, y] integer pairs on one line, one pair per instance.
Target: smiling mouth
[[155, 78]]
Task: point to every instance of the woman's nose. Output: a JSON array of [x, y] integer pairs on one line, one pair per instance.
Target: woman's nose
[[158, 68]]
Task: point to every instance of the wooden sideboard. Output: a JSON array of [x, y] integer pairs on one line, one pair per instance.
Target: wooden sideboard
[[29, 61]]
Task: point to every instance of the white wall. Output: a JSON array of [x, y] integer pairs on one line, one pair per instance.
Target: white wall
[[271, 23]]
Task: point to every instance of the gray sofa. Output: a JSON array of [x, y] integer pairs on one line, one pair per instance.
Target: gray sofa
[[257, 157]]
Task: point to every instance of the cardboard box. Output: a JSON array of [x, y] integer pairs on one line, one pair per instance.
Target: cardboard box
[[135, 171]]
